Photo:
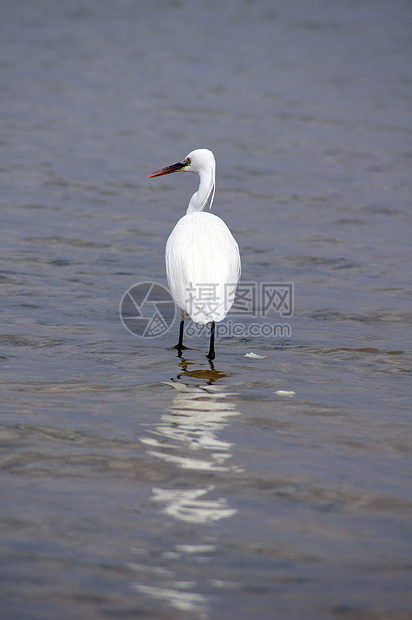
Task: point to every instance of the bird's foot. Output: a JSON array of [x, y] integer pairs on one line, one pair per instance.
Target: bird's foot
[[180, 348]]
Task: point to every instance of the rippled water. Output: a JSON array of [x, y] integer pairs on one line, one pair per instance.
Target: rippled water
[[135, 484]]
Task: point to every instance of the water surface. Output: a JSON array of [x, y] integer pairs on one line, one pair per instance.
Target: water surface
[[135, 483]]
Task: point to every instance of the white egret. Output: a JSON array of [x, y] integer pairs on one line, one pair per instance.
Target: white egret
[[202, 257]]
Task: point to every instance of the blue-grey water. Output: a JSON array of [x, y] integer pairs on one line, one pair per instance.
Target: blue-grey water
[[135, 484]]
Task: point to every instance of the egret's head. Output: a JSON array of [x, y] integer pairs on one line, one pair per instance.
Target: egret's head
[[199, 161]]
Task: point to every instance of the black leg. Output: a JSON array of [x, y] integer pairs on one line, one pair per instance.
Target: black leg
[[179, 345], [211, 354]]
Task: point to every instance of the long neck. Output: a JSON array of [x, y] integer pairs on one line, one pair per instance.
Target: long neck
[[205, 193]]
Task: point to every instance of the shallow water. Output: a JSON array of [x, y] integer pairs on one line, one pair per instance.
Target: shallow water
[[136, 484]]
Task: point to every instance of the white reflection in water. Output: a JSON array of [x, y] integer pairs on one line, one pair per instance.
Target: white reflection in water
[[175, 593], [187, 437], [185, 505], [184, 601]]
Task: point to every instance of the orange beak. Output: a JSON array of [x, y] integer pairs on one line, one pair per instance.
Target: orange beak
[[168, 170]]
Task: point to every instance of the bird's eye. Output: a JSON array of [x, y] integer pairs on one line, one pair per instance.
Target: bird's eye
[[188, 161]]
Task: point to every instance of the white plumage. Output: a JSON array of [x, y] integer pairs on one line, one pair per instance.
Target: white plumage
[[202, 266], [202, 257]]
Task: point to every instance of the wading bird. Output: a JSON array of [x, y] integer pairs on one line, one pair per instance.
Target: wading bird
[[202, 257]]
